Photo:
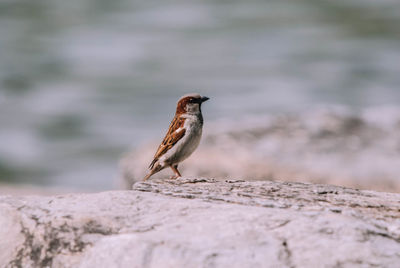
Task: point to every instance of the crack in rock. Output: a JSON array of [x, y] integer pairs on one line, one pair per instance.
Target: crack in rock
[[286, 255]]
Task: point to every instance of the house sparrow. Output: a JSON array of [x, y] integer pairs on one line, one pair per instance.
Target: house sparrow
[[183, 136]]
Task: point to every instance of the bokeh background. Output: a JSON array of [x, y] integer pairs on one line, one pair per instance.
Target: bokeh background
[[84, 81]]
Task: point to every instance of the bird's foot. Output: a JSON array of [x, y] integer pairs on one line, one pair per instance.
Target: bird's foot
[[174, 177]]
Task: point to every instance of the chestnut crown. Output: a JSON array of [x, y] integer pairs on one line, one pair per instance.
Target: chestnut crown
[[190, 103]]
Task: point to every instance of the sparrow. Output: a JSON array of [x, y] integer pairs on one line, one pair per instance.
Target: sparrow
[[183, 136]]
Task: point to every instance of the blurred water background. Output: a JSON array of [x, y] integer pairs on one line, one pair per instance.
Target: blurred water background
[[84, 81]]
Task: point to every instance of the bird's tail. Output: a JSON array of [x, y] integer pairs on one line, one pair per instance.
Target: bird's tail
[[153, 170], [147, 176], [152, 163]]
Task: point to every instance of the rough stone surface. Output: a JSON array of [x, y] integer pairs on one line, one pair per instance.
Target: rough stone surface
[[200, 222]]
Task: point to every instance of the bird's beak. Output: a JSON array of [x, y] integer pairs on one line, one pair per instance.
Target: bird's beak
[[204, 98]]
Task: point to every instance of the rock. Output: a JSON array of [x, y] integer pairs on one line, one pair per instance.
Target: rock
[[201, 222], [11, 233], [26, 189], [332, 147]]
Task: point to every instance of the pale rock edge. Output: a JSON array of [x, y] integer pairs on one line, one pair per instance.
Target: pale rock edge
[[201, 222]]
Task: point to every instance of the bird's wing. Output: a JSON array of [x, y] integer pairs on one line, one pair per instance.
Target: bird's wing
[[175, 132]]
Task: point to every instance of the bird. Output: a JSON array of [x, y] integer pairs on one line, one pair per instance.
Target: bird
[[183, 136]]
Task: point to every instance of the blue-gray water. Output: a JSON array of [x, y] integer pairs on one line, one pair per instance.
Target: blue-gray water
[[83, 81]]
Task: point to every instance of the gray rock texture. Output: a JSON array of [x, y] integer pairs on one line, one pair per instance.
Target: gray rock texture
[[200, 222]]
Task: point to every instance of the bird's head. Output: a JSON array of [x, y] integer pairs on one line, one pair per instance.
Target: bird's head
[[190, 103]]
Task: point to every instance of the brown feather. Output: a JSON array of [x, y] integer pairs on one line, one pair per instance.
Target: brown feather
[[170, 139], [181, 106]]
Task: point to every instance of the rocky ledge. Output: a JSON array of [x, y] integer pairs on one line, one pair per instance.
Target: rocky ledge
[[203, 223]]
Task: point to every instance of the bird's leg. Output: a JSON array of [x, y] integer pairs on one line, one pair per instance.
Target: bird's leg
[[176, 171]]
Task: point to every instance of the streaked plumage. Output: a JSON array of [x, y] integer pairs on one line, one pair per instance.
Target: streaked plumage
[[183, 135]]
